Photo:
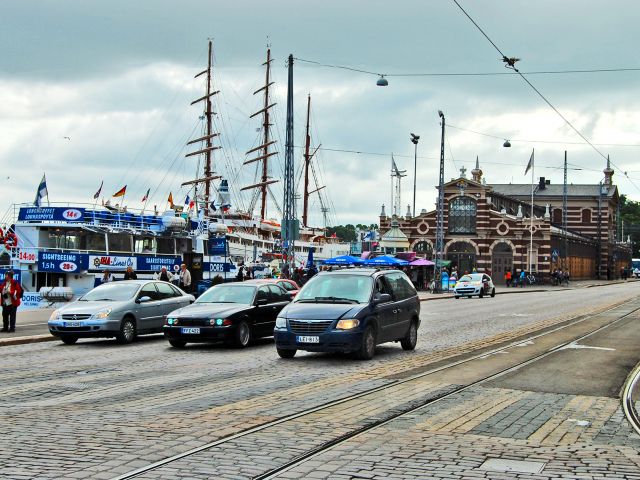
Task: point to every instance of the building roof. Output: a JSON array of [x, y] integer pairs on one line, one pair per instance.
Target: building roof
[[554, 190]]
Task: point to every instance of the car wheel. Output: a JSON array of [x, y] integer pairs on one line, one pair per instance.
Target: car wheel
[[456, 296], [411, 338], [127, 332], [286, 353], [69, 339], [493, 292], [481, 293], [242, 335], [177, 343], [368, 346]]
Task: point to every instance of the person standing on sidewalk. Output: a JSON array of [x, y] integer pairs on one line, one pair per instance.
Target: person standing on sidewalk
[[523, 278], [507, 278], [130, 274], [185, 278], [11, 291]]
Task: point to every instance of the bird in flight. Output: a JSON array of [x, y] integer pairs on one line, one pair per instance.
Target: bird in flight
[[68, 138]]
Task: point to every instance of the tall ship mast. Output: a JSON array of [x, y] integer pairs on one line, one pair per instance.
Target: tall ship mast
[[264, 149], [207, 138]]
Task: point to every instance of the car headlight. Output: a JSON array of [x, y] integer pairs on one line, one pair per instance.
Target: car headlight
[[172, 321], [281, 322], [55, 315], [104, 313], [347, 324]]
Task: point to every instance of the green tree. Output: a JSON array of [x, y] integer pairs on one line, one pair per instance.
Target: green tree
[[630, 218]]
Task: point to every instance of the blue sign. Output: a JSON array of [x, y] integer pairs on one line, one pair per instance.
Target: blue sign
[[154, 264], [45, 214], [16, 274], [216, 267], [217, 246], [62, 262]]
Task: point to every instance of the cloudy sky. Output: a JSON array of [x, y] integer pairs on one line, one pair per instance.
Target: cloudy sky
[[117, 78]]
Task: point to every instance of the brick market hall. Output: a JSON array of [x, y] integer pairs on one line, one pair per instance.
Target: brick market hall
[[488, 227]]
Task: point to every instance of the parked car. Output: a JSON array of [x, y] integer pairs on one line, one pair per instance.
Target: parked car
[[120, 309], [230, 312], [290, 286], [350, 311], [474, 284]]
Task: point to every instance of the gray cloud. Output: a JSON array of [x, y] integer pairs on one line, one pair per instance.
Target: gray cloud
[[118, 78]]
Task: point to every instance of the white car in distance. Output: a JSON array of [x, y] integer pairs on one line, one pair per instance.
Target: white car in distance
[[479, 284]]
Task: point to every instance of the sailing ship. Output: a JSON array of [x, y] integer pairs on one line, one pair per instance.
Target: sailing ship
[[62, 250]]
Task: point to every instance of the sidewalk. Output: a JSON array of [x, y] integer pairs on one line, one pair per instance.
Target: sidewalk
[[503, 290]]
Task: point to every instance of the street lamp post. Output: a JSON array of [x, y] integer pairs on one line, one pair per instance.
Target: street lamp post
[[440, 213], [414, 140]]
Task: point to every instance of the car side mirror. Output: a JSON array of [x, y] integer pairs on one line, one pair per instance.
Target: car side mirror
[[382, 298], [262, 301], [143, 299], [291, 295]]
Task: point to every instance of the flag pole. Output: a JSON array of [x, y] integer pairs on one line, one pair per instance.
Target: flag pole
[[533, 162]]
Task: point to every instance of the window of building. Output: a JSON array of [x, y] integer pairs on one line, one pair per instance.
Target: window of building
[[557, 216], [586, 215], [424, 248], [462, 215]]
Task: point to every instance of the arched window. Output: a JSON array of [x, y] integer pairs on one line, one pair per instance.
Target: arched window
[[423, 247], [462, 215], [586, 215]]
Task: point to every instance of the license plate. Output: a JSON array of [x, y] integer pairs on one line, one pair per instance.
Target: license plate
[[190, 330], [73, 324], [303, 339]]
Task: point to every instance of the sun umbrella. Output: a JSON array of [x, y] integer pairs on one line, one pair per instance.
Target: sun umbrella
[[385, 261], [343, 260], [421, 262]]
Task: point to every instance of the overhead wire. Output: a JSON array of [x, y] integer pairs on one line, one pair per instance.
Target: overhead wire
[[467, 74], [547, 101]]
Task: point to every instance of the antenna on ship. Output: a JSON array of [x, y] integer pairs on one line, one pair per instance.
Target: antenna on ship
[[266, 141], [307, 162], [209, 135]]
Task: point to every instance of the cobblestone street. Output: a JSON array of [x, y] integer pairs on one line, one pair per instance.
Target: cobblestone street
[[99, 410]]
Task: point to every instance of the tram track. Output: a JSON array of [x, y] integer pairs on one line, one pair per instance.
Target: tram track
[[630, 391], [328, 445]]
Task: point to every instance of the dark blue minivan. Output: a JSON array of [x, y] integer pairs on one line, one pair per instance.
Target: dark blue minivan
[[350, 311]]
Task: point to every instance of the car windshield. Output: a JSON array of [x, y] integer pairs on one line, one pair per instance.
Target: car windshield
[[228, 294], [113, 292], [336, 289], [471, 278]]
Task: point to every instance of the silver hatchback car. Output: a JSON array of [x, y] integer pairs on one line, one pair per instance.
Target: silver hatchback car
[[121, 309]]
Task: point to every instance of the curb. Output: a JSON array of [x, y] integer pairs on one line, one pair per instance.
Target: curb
[[24, 340]]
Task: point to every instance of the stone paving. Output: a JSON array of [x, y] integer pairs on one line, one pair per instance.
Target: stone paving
[[95, 410]]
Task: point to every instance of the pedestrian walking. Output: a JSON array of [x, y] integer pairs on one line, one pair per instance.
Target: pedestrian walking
[[130, 274], [185, 278], [507, 278], [11, 296], [523, 278]]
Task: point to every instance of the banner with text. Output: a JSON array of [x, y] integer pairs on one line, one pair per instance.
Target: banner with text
[[62, 262], [16, 274], [44, 214]]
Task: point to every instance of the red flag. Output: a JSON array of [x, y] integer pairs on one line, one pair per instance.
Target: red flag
[[170, 200], [146, 196]]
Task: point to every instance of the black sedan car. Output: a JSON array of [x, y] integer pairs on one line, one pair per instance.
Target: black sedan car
[[229, 312]]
